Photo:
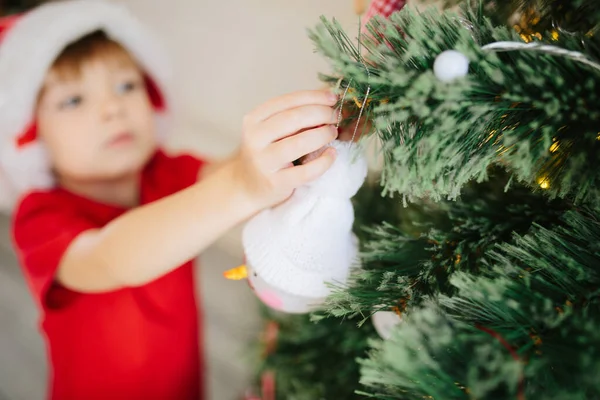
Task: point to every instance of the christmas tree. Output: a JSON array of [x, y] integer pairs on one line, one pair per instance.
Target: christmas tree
[[480, 237]]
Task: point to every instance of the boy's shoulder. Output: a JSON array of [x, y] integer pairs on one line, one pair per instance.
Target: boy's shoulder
[[42, 215], [38, 200], [46, 207]]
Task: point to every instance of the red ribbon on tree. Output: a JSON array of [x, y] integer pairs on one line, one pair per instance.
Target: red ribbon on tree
[[513, 353]]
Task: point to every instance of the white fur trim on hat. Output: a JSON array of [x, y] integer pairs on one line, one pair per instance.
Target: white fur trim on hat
[[307, 242], [30, 47]]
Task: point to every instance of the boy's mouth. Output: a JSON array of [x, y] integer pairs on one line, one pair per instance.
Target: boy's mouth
[[121, 139]]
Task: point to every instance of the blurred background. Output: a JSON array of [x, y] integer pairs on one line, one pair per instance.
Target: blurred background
[[228, 57]]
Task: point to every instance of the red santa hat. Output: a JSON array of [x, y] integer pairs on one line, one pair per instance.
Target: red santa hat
[[29, 45]]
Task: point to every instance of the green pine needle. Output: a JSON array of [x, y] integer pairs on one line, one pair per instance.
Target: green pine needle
[[533, 113]]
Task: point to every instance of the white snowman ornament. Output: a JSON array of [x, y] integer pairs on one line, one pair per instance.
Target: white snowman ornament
[[293, 250]]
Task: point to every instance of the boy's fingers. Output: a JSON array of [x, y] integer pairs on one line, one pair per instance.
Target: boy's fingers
[[305, 173], [289, 101], [294, 147], [292, 121]]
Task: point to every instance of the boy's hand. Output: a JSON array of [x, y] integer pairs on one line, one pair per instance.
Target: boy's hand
[[348, 131], [276, 134]]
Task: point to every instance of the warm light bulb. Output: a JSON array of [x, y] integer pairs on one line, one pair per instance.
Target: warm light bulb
[[544, 183]]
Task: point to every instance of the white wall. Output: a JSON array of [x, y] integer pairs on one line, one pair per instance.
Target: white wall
[[230, 56]]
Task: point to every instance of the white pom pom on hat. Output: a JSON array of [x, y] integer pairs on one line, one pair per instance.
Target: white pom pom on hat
[[307, 242], [29, 45]]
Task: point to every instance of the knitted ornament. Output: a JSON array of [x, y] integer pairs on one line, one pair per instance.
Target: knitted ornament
[[29, 45], [295, 249]]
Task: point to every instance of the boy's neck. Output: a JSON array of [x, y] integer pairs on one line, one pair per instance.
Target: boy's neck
[[123, 191]]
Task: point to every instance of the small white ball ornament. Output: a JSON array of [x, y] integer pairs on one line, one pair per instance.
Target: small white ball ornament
[[385, 322], [449, 65]]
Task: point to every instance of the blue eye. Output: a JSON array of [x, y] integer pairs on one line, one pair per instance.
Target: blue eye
[[71, 102], [127, 87]]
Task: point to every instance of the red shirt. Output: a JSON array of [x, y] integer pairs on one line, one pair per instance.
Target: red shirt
[[133, 343]]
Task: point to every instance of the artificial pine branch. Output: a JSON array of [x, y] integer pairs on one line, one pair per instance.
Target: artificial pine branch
[[534, 113], [400, 270], [315, 361], [540, 297]]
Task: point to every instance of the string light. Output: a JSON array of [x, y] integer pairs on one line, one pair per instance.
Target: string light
[[544, 183], [526, 26], [537, 340]]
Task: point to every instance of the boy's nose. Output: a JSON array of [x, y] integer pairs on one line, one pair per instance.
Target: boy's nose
[[112, 107]]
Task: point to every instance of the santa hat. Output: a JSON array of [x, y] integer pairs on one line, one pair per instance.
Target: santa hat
[[29, 45]]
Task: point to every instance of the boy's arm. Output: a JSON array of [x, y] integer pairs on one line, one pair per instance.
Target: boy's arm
[[212, 165], [152, 240]]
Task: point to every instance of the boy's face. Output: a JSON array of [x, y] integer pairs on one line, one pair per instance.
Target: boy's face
[[98, 125]]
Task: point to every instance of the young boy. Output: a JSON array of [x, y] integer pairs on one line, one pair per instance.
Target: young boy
[[107, 222]]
